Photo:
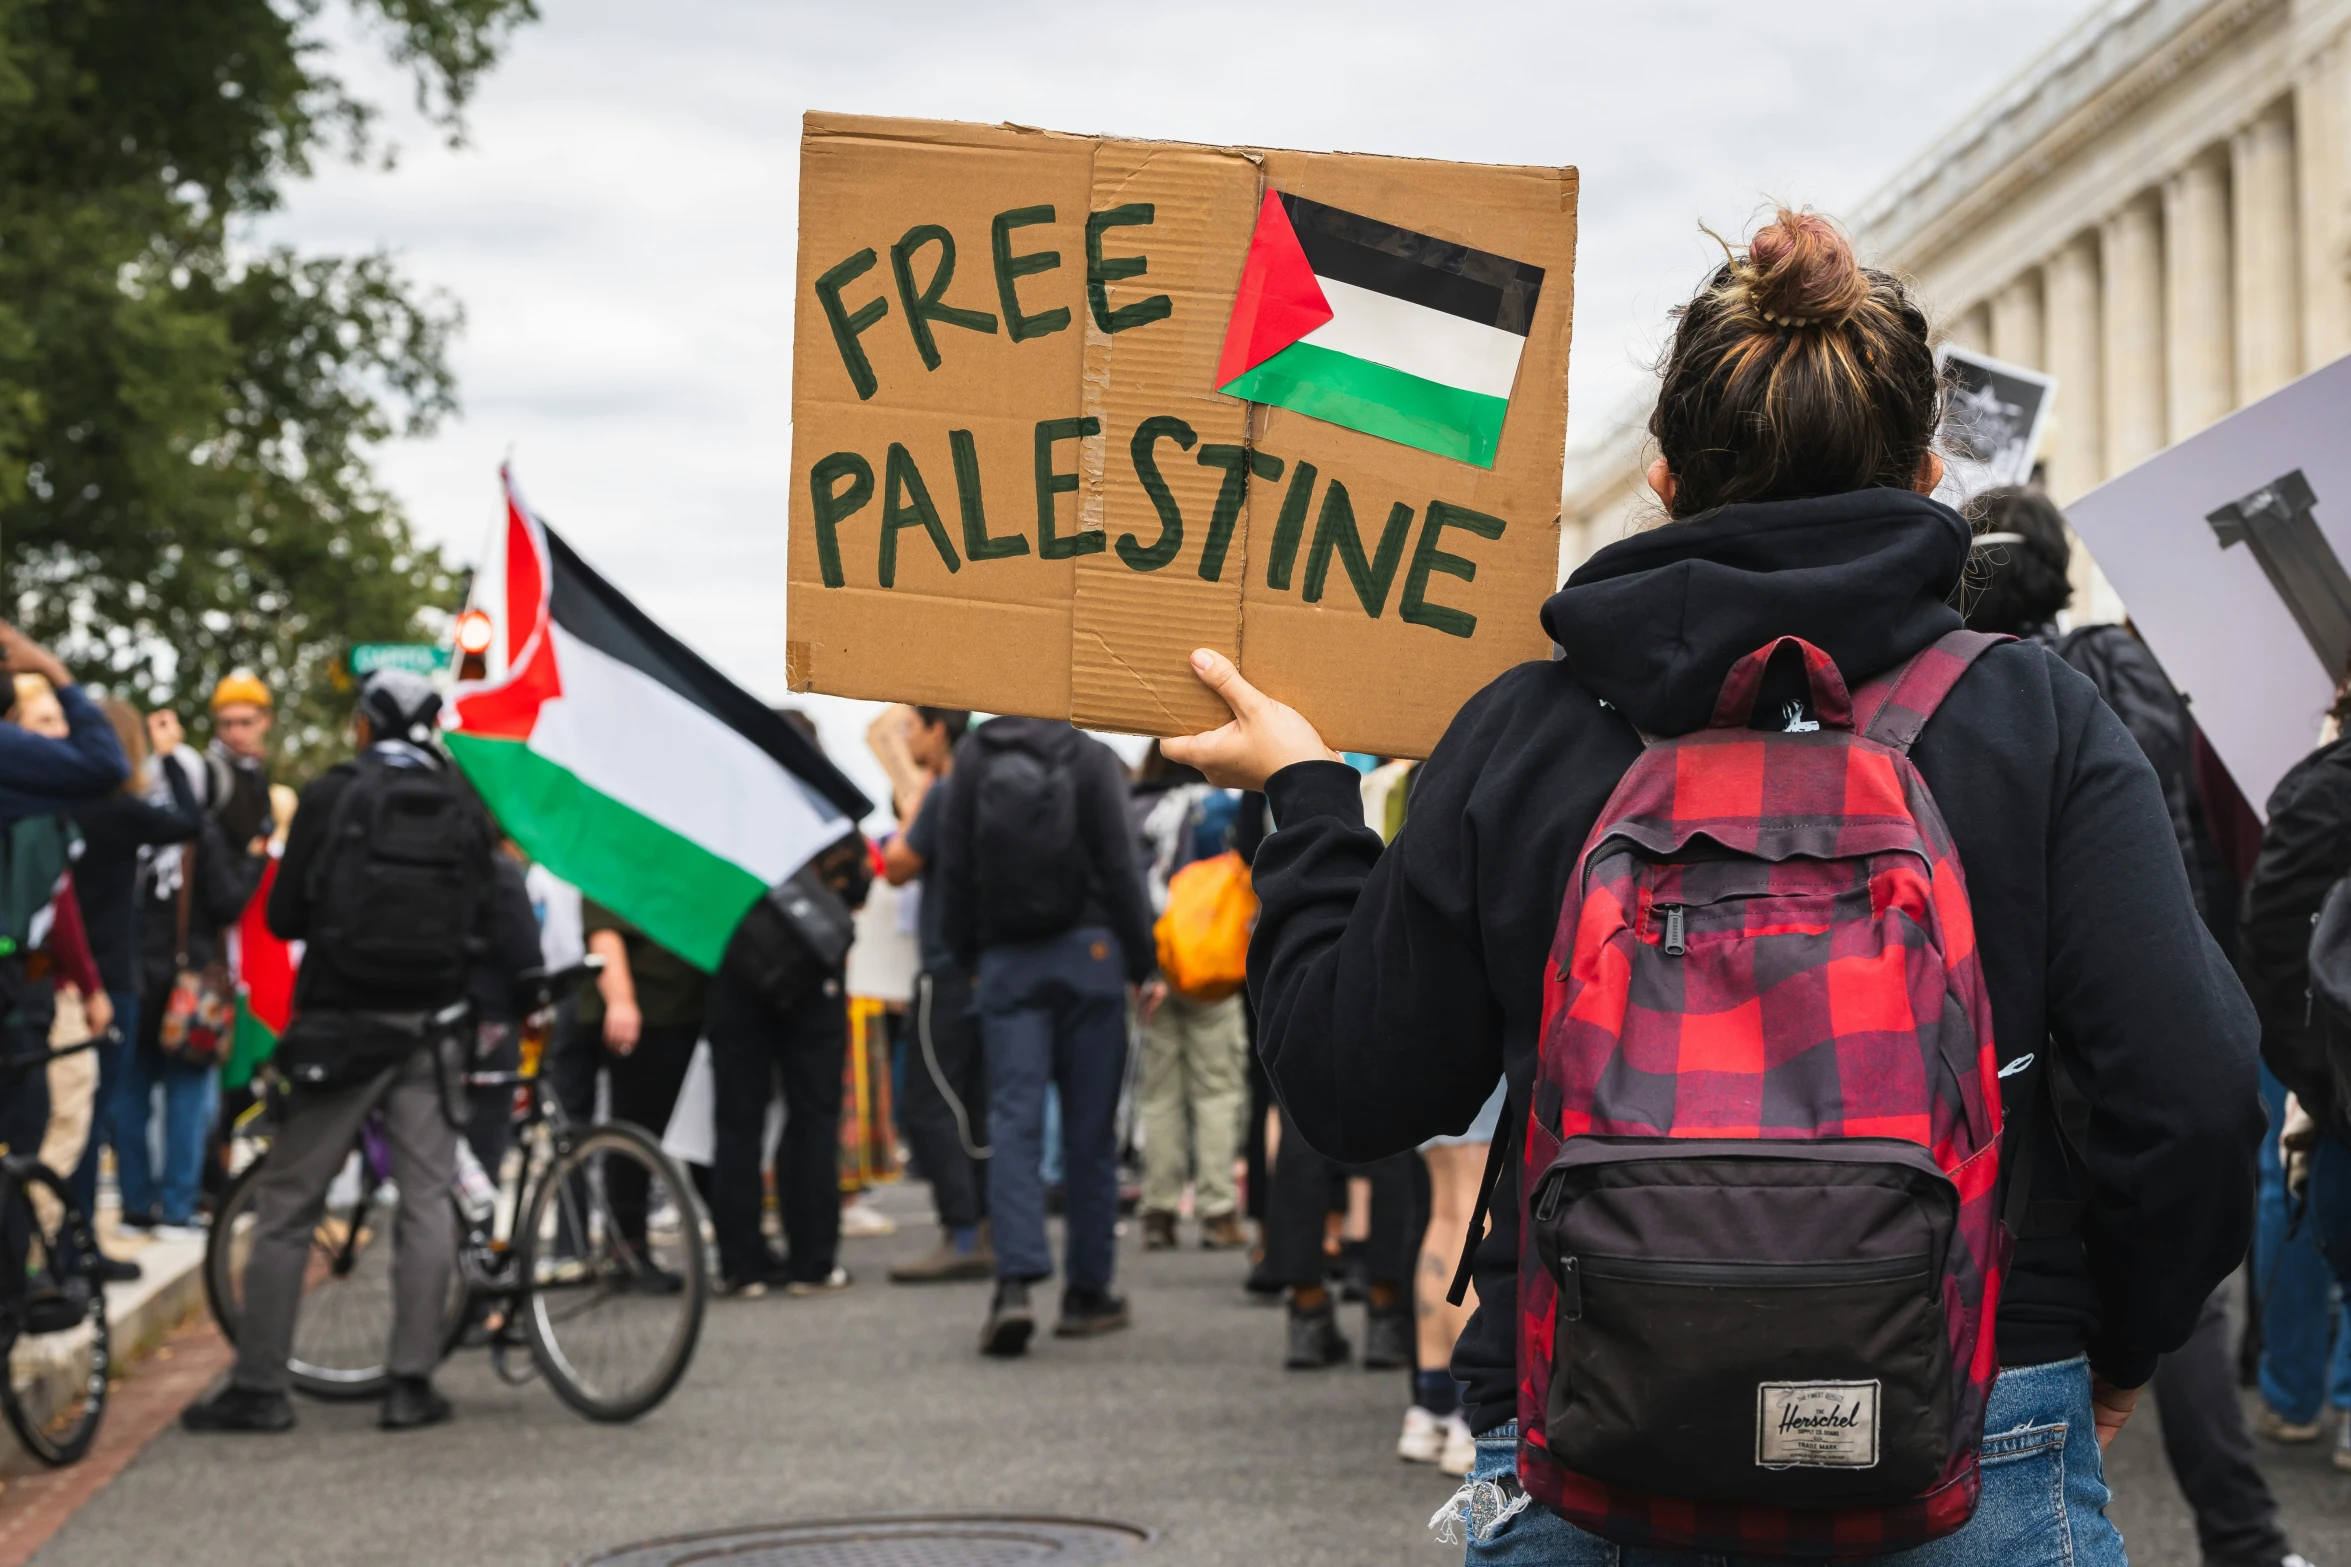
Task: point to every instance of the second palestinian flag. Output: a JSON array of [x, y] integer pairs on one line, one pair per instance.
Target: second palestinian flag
[[623, 762], [1378, 328]]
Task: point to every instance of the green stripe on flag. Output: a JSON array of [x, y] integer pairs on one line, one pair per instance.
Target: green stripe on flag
[[679, 893], [1378, 400], [252, 1043]]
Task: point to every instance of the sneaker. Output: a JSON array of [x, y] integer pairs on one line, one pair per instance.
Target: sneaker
[[411, 1404], [1090, 1314], [1010, 1323], [1225, 1232], [113, 1270], [190, 1231], [239, 1409], [1315, 1339], [2342, 1453], [832, 1283], [137, 1221], [863, 1221], [944, 1264], [1423, 1439], [1461, 1449], [1159, 1230], [2269, 1423], [1387, 1339], [742, 1288]]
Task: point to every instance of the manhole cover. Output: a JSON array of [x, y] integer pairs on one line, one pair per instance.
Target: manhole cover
[[965, 1540]]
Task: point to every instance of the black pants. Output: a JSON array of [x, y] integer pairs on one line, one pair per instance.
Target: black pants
[[944, 1100], [2210, 1449], [645, 1085], [752, 1046], [1259, 1180], [1307, 1186]]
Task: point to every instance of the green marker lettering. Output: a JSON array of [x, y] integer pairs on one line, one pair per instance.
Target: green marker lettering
[[1022, 325], [1051, 545], [1171, 520], [906, 503], [1102, 271], [847, 324], [923, 308], [1238, 463], [1334, 532], [1289, 527], [1414, 606], [978, 544], [832, 506]]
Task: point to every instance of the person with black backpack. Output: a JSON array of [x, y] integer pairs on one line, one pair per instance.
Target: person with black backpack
[[1044, 903], [1776, 899], [387, 877]]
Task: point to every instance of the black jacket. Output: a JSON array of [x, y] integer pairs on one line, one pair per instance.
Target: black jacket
[[1392, 987], [514, 946], [1115, 895], [223, 878], [2305, 849], [106, 877], [2142, 696]]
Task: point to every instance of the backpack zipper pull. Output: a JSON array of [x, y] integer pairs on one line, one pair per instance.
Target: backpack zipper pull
[[1571, 1291], [1675, 946]]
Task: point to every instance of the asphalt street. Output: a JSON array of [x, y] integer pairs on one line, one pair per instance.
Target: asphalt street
[[873, 1402]]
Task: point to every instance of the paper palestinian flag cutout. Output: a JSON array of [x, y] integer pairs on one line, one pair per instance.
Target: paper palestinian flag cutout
[[1422, 338], [623, 762]]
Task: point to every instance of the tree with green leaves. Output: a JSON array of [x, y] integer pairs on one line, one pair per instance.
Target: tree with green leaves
[[187, 422]]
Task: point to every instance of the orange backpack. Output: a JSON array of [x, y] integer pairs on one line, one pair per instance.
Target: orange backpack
[[1204, 935]]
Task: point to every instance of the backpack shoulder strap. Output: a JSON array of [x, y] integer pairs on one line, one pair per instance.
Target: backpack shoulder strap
[[1497, 1159], [1895, 707]]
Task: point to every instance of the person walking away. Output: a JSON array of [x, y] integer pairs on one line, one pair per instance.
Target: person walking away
[[1795, 423], [189, 896], [116, 831], [1045, 905], [42, 776], [2024, 548], [646, 1012], [779, 1012], [387, 877], [1195, 1090], [946, 1093]]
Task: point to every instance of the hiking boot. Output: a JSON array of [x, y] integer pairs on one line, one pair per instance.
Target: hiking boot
[[1315, 1339], [236, 1408], [1225, 1232], [945, 1264], [1090, 1314], [1387, 1340], [832, 1283], [2269, 1423], [410, 1404], [1010, 1322], [1159, 1230]]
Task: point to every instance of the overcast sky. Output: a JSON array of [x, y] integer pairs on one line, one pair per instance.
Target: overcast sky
[[620, 228]]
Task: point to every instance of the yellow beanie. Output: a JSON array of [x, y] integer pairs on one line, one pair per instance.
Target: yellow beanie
[[239, 686]]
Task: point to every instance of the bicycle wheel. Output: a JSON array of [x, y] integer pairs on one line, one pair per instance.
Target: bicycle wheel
[[60, 1302], [612, 1272], [344, 1326]]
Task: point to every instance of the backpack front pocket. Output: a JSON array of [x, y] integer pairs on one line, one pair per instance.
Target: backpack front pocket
[[1749, 1321]]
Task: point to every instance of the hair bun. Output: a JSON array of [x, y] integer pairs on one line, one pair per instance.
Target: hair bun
[[1801, 271]]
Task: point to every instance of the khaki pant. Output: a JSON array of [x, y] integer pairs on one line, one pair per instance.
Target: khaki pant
[[73, 1097], [1195, 1094]]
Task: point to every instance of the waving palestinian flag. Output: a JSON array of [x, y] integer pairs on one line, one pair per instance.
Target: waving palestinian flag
[[622, 761], [1378, 328]]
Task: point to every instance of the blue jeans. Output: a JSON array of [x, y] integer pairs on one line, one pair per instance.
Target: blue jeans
[[2298, 1377], [114, 1067], [191, 1097], [1054, 1012], [2044, 1499]]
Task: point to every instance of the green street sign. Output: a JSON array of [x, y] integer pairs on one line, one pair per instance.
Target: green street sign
[[421, 657]]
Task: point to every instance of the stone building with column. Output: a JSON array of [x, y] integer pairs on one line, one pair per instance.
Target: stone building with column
[[2157, 211]]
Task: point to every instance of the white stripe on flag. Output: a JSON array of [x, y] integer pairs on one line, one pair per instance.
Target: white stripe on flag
[[1417, 340], [631, 738]]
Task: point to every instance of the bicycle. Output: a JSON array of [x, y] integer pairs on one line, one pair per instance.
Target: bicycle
[[608, 1300], [50, 1288]]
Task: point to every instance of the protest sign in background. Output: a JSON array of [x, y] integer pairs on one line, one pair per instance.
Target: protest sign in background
[[1017, 486], [2227, 549]]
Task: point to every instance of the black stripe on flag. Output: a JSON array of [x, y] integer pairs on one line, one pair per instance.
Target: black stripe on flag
[[597, 613], [1476, 285]]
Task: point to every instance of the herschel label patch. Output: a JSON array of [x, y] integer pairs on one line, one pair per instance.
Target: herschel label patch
[[1816, 1425]]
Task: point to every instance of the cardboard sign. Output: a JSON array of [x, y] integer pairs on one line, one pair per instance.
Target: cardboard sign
[[2229, 550], [1065, 408]]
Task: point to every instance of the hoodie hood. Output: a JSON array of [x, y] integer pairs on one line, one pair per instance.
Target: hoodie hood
[[1654, 622]]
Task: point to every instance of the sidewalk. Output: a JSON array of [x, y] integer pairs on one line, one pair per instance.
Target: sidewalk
[[139, 1314]]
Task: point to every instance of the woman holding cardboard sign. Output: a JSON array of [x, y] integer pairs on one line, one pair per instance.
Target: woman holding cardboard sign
[[1765, 898]]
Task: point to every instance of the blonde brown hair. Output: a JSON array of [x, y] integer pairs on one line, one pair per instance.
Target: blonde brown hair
[[130, 727], [1795, 371]]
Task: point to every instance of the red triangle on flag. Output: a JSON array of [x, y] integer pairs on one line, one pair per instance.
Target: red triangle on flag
[[1279, 300]]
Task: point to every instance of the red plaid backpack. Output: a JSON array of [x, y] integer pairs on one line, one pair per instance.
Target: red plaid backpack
[[1760, 1250]]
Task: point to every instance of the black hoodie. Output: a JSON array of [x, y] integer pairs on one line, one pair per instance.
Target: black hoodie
[[1391, 987]]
